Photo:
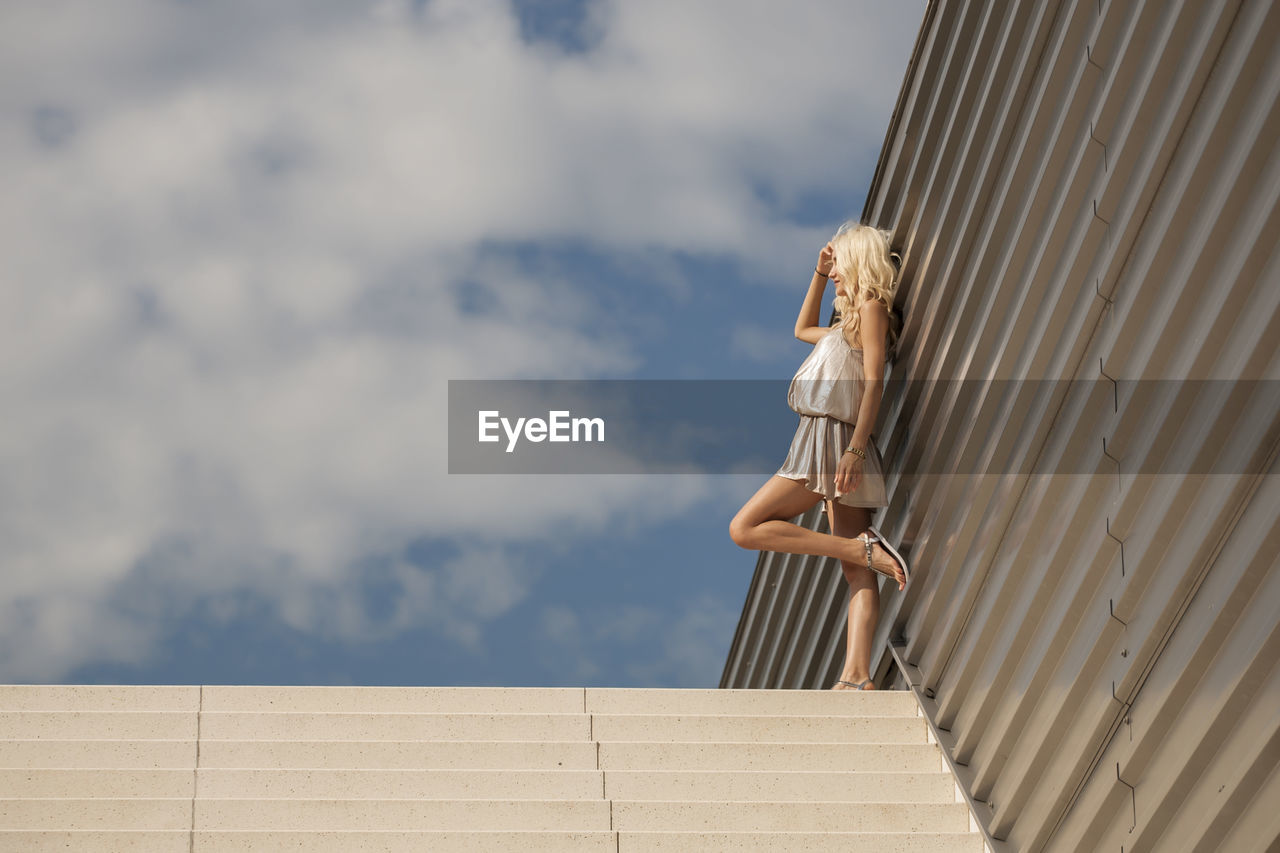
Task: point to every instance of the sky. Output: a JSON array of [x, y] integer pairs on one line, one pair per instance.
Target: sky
[[245, 247]]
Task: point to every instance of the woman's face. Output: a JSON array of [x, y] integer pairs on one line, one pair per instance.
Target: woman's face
[[841, 289]]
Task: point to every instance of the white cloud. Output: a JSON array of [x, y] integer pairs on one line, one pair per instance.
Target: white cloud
[[232, 237]]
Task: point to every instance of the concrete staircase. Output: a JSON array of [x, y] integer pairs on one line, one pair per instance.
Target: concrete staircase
[[341, 769]]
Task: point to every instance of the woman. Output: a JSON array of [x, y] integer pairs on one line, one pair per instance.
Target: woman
[[837, 393]]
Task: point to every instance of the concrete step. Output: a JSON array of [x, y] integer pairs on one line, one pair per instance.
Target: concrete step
[[433, 726], [171, 813], [776, 728], [365, 841], [245, 767], [800, 842], [403, 784], [96, 782], [682, 816], [318, 783], [99, 697], [95, 841], [391, 755], [306, 783], [570, 755], [779, 785], [327, 725], [48, 752], [849, 703], [458, 700], [861, 757], [359, 700], [99, 725], [409, 842], [489, 842], [402, 815], [243, 814]]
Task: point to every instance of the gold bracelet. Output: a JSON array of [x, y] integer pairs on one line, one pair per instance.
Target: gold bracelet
[[858, 452]]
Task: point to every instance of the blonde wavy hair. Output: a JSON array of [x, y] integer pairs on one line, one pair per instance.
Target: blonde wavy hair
[[865, 264]]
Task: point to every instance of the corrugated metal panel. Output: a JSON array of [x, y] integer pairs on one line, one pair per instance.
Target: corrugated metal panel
[[1083, 191]]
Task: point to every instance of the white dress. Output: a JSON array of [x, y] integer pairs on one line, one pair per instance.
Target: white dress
[[826, 392]]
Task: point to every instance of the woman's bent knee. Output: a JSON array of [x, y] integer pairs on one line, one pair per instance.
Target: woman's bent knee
[[741, 532]]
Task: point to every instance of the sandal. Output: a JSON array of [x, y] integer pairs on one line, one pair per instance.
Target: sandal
[[871, 536], [859, 685]]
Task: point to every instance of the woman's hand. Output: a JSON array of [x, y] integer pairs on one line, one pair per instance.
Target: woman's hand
[[848, 473], [826, 258]]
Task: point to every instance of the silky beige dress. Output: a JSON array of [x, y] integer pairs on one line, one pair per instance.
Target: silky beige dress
[[826, 392]]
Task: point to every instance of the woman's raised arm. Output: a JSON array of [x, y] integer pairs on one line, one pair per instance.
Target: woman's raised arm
[[807, 326]]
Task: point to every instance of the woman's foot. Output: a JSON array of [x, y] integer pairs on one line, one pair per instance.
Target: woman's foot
[[853, 685], [882, 561]]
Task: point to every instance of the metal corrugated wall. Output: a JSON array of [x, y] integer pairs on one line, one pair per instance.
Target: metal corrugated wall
[[1080, 191]]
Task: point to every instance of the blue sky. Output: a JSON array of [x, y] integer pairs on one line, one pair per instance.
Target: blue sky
[[246, 246]]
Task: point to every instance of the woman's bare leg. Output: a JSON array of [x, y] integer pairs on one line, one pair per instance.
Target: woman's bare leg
[[864, 596], [762, 525]]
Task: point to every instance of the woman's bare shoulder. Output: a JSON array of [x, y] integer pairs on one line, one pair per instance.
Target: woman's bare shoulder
[[872, 308]]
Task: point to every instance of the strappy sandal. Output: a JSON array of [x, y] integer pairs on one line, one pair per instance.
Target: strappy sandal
[[860, 685], [869, 539]]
